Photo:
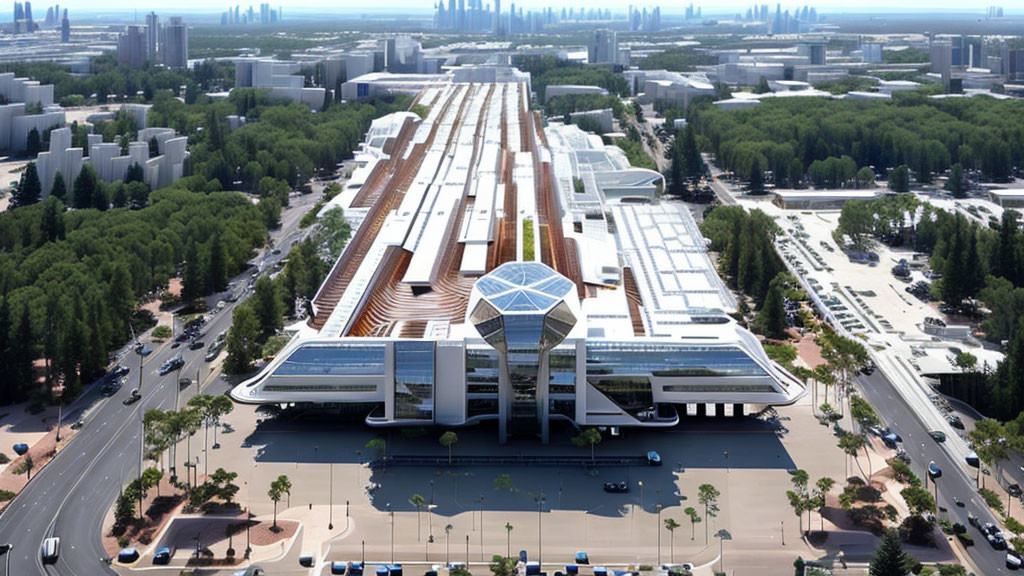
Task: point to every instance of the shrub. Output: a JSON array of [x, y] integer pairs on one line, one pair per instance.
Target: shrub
[[6, 495], [3, 458], [992, 499], [1013, 525], [123, 541], [965, 539], [162, 332]]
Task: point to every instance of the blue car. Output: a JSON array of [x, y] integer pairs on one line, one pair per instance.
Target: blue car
[[523, 557], [582, 558], [653, 458], [934, 471], [127, 555], [163, 555]]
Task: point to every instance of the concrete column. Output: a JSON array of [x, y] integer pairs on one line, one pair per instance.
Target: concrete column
[[737, 410], [702, 409], [543, 381], [504, 397], [719, 410]]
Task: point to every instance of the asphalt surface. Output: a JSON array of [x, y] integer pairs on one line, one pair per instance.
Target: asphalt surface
[[955, 481], [70, 497]]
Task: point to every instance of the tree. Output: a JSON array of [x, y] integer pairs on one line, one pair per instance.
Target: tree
[[823, 486], [762, 86], [671, 525], [799, 503], [865, 177], [135, 173], [502, 565], [59, 188], [29, 189], [217, 279], [889, 558], [448, 439], [334, 232], [508, 537], [955, 184], [420, 503], [268, 307], [756, 177], [694, 517], [243, 341], [588, 437], [85, 187], [270, 208], [52, 223], [137, 193], [119, 195], [771, 317], [899, 179], [799, 500], [708, 495], [34, 143], [503, 482], [377, 446], [151, 479], [278, 488], [988, 439], [918, 499]]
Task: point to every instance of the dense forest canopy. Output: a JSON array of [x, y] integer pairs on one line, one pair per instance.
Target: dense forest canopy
[[927, 135]]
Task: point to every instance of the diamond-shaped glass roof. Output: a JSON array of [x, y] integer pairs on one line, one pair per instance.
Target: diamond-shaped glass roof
[[524, 287]]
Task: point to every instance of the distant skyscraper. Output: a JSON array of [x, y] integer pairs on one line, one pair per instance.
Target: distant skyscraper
[[65, 28], [174, 49], [496, 27], [30, 26], [603, 47], [152, 35], [131, 47], [461, 21]]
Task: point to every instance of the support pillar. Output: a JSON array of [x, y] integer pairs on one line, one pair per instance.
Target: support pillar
[[737, 410]]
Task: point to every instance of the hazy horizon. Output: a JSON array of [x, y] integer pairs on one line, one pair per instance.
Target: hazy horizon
[[120, 8]]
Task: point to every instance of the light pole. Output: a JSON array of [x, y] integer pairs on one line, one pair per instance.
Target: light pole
[[447, 540], [359, 471], [330, 513], [392, 514], [482, 527], [540, 538], [659, 534], [6, 550], [726, 454], [467, 551], [641, 483], [722, 536]]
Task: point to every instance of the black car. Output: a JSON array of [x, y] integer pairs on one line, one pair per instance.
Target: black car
[[868, 368], [1014, 490], [974, 521], [616, 487], [121, 370], [956, 422], [195, 344]]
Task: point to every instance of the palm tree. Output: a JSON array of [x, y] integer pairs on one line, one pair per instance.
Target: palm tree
[[448, 439], [708, 495], [671, 525], [508, 538], [279, 488], [823, 485], [420, 503], [694, 516]]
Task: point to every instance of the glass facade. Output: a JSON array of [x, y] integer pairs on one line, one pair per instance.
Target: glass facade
[[632, 395], [414, 380], [481, 382], [670, 360], [350, 359]]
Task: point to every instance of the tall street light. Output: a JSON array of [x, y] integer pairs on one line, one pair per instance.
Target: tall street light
[[659, 534], [6, 550], [481, 527], [722, 536], [540, 538], [330, 513], [392, 514]]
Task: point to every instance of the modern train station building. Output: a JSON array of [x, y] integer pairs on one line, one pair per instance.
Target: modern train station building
[[502, 269]]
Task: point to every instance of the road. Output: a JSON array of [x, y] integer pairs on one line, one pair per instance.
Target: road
[[922, 449], [70, 497]]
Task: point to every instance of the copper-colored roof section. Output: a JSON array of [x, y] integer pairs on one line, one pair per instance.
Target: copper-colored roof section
[[633, 297]]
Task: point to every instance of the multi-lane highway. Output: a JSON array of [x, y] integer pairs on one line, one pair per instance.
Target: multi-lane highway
[[70, 497], [922, 449]]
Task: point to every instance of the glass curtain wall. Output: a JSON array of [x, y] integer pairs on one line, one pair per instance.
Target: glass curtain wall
[[414, 380]]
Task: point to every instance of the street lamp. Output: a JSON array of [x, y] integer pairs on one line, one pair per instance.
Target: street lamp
[[392, 514], [481, 527], [330, 513], [641, 483], [6, 550], [659, 533], [722, 536], [540, 550], [447, 539], [726, 454]]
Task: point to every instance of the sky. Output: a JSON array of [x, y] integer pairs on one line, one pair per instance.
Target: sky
[[354, 6]]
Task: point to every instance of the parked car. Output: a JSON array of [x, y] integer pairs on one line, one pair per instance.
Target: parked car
[[1014, 490], [163, 555], [653, 458], [133, 397], [127, 555], [523, 557], [582, 558], [956, 422], [1013, 560], [938, 435], [616, 487]]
